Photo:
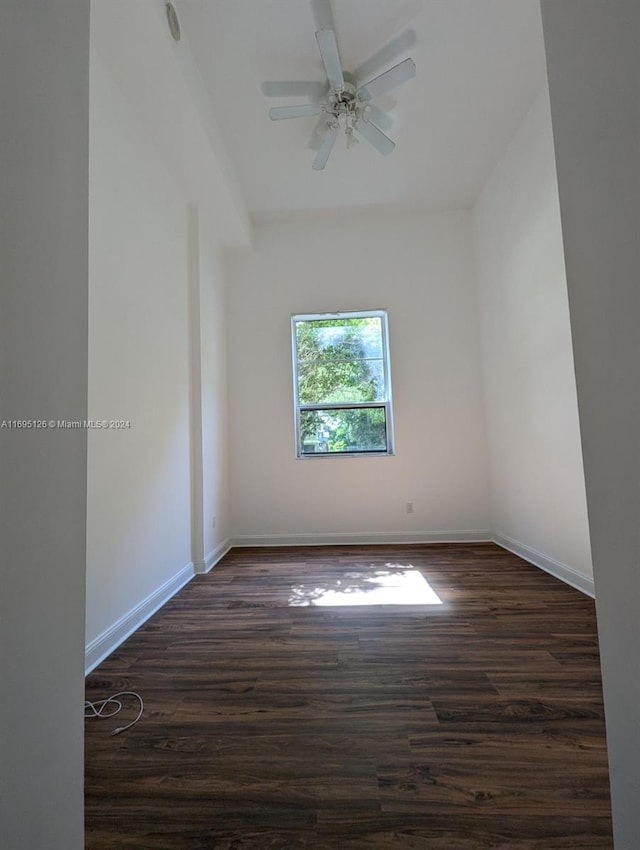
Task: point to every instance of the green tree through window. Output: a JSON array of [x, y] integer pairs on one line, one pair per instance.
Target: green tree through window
[[342, 383]]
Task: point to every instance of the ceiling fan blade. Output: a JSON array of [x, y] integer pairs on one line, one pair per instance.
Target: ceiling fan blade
[[319, 132], [400, 73], [325, 148], [277, 113], [323, 15], [328, 47], [386, 54], [294, 88], [375, 137], [381, 119]]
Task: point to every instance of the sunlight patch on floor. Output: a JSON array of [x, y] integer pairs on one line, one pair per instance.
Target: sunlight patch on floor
[[396, 585]]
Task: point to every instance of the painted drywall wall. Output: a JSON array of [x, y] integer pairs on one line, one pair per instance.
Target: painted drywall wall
[[538, 503], [214, 395], [419, 268], [208, 397], [169, 96], [594, 74], [138, 522], [44, 95]]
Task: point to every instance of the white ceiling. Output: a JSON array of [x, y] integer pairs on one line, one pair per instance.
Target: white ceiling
[[480, 63]]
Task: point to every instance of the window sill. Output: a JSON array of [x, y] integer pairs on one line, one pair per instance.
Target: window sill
[[325, 455]]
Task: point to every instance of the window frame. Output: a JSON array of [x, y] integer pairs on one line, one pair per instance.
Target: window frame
[[386, 404]]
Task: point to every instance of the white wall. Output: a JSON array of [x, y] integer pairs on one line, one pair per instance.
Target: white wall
[[215, 425], [416, 266], [138, 523], [43, 351], [594, 75], [156, 351], [538, 504], [208, 396]]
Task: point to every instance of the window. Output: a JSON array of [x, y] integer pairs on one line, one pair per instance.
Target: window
[[342, 384]]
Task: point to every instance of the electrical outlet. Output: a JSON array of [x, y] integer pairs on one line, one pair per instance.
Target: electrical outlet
[[213, 522], [409, 507]]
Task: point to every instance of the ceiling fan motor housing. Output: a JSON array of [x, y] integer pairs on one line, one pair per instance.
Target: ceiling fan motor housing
[[344, 101]]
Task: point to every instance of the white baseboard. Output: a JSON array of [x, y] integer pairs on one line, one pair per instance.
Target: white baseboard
[[364, 538], [555, 568], [215, 556], [111, 638]]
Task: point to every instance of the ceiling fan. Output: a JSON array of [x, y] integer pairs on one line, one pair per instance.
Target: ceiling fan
[[344, 102]]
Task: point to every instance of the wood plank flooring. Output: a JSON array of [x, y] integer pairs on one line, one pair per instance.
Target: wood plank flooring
[[469, 725]]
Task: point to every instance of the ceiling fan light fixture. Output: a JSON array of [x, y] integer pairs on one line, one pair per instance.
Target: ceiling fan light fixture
[[351, 139]]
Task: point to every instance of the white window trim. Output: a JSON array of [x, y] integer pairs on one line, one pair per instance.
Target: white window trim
[[387, 404]]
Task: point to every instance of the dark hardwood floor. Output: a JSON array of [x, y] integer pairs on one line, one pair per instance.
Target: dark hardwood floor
[[469, 725]]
